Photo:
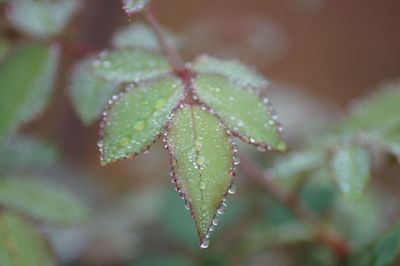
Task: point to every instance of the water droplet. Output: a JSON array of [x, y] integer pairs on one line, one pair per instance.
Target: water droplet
[[215, 221], [139, 126], [201, 160], [232, 189], [205, 243]]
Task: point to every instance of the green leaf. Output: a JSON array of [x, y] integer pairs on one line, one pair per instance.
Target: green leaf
[[41, 201], [137, 117], [89, 93], [139, 35], [21, 244], [25, 152], [130, 66], [389, 139], [41, 18], [375, 112], [242, 110], [387, 248], [27, 77], [351, 169], [4, 48], [233, 69], [296, 163], [134, 6], [201, 160]]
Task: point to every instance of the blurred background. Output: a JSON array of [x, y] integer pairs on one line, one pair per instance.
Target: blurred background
[[319, 54]]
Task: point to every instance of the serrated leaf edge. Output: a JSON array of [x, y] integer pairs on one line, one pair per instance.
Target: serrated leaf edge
[[261, 146], [175, 178], [111, 103]]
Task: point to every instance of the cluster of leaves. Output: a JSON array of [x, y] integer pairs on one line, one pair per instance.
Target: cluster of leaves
[[198, 112], [345, 153], [27, 76]]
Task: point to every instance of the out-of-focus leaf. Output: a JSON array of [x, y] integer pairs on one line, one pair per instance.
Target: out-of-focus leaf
[[137, 117], [89, 93], [318, 193], [41, 201], [202, 162], [27, 78], [164, 260], [288, 170], [41, 18], [351, 169], [134, 6], [24, 152], [387, 248], [375, 112], [389, 139], [233, 69], [361, 222], [242, 110], [130, 66], [139, 35], [176, 221], [4, 47], [21, 244]]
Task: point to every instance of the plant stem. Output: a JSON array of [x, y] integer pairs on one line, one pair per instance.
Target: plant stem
[[174, 58], [172, 55], [323, 232]]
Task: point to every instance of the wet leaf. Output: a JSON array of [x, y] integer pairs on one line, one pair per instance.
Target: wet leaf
[[25, 152], [375, 112], [41, 18], [137, 117], [351, 169], [27, 77], [134, 6], [233, 69], [130, 65], [242, 110], [21, 244], [139, 35], [89, 93], [387, 248], [202, 160], [41, 201]]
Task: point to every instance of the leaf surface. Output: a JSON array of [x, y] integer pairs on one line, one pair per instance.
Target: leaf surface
[[233, 69], [41, 201], [27, 78], [89, 93], [351, 169], [134, 6], [387, 248], [202, 161], [376, 112], [137, 117], [242, 110], [21, 244], [130, 66], [139, 35], [25, 152], [41, 18]]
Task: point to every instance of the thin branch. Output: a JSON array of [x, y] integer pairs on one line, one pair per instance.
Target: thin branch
[[323, 232], [174, 58]]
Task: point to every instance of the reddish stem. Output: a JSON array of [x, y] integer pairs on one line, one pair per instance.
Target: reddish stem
[[323, 232]]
